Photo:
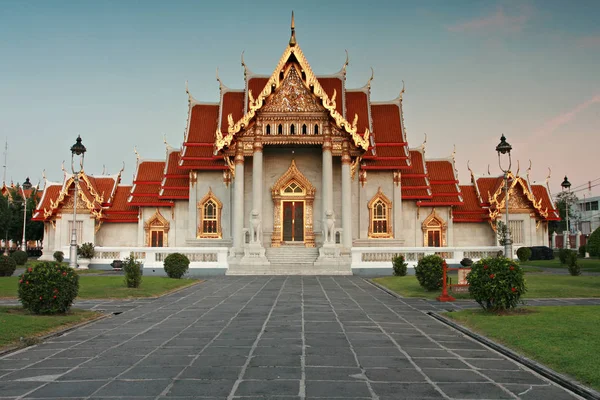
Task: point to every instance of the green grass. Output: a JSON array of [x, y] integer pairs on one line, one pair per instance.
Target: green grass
[[108, 287], [586, 264], [539, 286], [563, 338], [16, 323]]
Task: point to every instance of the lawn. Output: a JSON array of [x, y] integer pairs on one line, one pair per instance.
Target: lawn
[[108, 287], [586, 264], [563, 338], [16, 323], [539, 286]]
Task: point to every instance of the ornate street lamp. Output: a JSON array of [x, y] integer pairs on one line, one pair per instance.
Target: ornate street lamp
[[566, 185], [78, 149], [504, 148]]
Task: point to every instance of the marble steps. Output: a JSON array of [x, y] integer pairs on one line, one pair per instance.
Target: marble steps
[[289, 269], [300, 256]]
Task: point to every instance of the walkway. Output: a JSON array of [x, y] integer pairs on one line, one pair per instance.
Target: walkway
[[262, 337]]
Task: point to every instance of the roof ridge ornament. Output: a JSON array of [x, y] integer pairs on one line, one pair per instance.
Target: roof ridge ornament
[[137, 155], [293, 34], [370, 79], [402, 91]]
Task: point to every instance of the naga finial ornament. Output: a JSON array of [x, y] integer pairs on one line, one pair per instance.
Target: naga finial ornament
[[345, 63], [403, 90], [293, 35], [137, 155], [371, 78]]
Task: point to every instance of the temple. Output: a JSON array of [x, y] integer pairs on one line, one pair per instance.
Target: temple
[[294, 171]]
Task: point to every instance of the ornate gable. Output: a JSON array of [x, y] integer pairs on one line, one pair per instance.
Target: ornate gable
[[292, 96]]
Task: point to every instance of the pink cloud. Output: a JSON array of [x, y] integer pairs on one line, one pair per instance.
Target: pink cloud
[[553, 124], [589, 41], [499, 21]]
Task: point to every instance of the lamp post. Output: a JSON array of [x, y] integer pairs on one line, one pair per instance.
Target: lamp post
[[78, 149], [566, 185], [23, 245], [504, 148]]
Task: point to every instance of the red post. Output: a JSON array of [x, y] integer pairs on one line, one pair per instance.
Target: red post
[[444, 297]]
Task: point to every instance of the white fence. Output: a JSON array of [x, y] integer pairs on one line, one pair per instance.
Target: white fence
[[153, 257], [381, 257]]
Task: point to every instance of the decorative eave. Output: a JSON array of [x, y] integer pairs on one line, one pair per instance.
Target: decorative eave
[[497, 205], [361, 141], [96, 211]]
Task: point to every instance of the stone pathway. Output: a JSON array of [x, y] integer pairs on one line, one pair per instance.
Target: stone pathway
[[268, 337]]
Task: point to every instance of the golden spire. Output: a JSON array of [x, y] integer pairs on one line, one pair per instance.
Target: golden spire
[[293, 37]]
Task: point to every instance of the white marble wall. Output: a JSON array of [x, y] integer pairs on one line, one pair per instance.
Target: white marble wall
[[209, 180], [473, 234], [375, 180], [117, 234]]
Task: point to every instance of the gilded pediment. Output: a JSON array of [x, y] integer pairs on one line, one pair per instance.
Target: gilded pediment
[[292, 96]]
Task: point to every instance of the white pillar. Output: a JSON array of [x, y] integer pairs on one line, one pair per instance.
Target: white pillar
[[577, 240], [397, 205], [554, 235], [566, 243], [238, 201], [327, 179], [346, 200], [257, 181]]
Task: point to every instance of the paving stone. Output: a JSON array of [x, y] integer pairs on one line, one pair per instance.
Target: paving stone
[[15, 389], [67, 389], [456, 375], [268, 388], [452, 363], [129, 388], [195, 388], [152, 372], [517, 377], [269, 373], [474, 391], [545, 392], [92, 373], [390, 362], [406, 390], [494, 364], [344, 390], [334, 374], [272, 361], [394, 375], [339, 360]]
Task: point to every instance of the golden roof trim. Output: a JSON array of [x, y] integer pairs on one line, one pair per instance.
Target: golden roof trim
[[361, 141]]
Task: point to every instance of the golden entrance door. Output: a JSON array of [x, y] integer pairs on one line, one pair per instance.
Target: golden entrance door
[[293, 221]]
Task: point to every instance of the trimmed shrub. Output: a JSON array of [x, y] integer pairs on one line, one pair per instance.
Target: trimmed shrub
[[400, 266], [86, 250], [523, 253], [59, 256], [133, 272], [582, 250], [20, 257], [562, 255], [541, 253], [496, 283], [466, 262], [48, 288], [572, 264], [429, 272], [176, 265], [593, 243], [7, 266]]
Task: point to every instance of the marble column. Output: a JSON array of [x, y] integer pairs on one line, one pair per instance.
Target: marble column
[[327, 181], [238, 201], [257, 182], [346, 199]]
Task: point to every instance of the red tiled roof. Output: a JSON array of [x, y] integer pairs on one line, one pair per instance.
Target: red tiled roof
[[540, 192], [50, 194], [470, 210], [414, 181], [391, 149], [197, 152], [331, 84], [233, 103], [119, 210], [487, 186], [444, 184], [357, 104], [146, 184], [256, 85], [175, 183]]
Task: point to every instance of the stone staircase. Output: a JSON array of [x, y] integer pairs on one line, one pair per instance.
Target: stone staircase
[[290, 260]]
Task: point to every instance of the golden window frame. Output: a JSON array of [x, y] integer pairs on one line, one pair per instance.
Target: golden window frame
[[380, 197], [157, 223], [200, 234], [434, 222]]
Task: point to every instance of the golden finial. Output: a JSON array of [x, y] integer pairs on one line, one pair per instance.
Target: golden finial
[[137, 155], [293, 37], [403, 90], [345, 63], [371, 78]]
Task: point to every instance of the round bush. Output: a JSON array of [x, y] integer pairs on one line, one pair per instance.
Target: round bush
[[572, 264], [429, 272], [496, 283], [593, 243], [400, 266], [48, 288], [176, 265], [523, 253], [20, 257], [59, 256], [7, 266]]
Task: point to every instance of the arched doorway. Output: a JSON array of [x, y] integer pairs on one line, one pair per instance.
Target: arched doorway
[[293, 197]]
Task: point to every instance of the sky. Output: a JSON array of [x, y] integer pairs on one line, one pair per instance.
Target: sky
[[114, 72]]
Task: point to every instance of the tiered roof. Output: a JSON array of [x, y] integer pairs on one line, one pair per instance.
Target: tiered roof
[[147, 184]]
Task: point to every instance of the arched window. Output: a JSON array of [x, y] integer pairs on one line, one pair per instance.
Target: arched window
[[292, 130], [380, 208], [157, 228], [268, 129], [434, 231], [304, 129], [280, 129], [316, 129], [210, 216]]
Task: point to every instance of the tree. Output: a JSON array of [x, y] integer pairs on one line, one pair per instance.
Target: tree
[[11, 216], [561, 201]]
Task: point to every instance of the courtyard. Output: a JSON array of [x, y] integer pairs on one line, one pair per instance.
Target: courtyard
[[267, 337]]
